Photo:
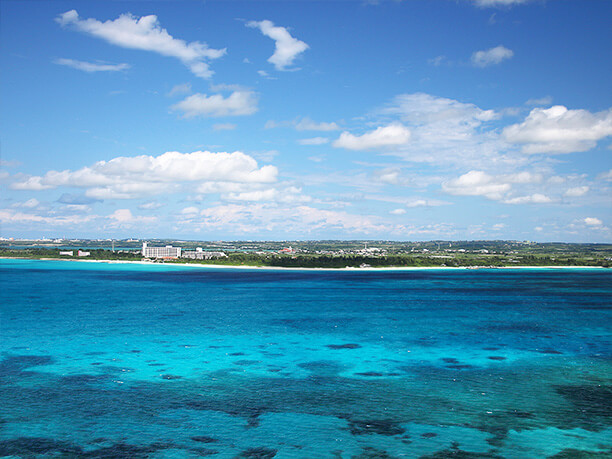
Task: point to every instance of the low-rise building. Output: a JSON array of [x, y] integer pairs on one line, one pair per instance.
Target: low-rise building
[[199, 254], [68, 253]]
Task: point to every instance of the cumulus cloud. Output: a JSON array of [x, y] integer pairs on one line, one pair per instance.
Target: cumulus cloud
[[559, 130], [145, 33], [91, 67], [592, 221], [477, 183], [398, 211], [286, 49], [238, 103], [491, 56], [314, 141], [497, 187], [384, 136], [577, 191], [131, 177]]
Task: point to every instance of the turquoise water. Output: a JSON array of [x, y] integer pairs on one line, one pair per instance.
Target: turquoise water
[[118, 360]]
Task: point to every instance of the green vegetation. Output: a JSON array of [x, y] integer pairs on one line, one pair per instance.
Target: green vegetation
[[341, 254]]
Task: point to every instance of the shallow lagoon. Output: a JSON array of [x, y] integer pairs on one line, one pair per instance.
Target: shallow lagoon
[[121, 360]]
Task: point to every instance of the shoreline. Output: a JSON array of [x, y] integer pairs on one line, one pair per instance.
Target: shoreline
[[284, 268]]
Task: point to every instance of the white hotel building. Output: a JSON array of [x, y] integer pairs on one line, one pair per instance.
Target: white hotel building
[[160, 252]]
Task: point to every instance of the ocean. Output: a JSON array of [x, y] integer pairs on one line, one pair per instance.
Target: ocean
[[131, 360]]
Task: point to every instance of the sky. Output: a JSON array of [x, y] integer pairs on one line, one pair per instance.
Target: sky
[[306, 120]]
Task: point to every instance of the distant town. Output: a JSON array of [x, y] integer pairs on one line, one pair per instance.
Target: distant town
[[333, 254]]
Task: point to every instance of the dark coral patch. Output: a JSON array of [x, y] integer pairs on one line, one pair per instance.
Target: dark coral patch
[[258, 453], [237, 353], [550, 351], [376, 426], [169, 376], [204, 439], [449, 360], [343, 346], [30, 446], [591, 400], [17, 364], [496, 357], [429, 435], [245, 362], [370, 373], [460, 367]]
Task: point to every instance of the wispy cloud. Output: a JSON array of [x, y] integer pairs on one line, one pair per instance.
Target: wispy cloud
[[91, 67], [491, 56], [238, 103], [314, 141], [499, 3], [145, 33], [287, 48], [180, 89]]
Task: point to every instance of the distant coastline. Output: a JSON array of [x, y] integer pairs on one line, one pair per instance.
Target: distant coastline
[[285, 268]]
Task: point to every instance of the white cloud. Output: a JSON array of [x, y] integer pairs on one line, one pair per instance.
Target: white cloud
[[289, 194], [491, 56], [145, 33], [559, 130], [190, 210], [9, 216], [577, 191], [151, 205], [224, 127], [496, 187], [29, 204], [499, 226], [238, 103], [437, 61], [426, 203], [306, 124], [131, 177], [547, 100], [477, 183], [606, 175], [184, 88], [496, 3], [125, 218], [445, 131], [536, 198], [314, 141], [287, 48], [398, 211], [384, 136], [592, 221], [91, 67]]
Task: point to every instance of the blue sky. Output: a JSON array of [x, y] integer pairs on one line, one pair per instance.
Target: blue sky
[[404, 120]]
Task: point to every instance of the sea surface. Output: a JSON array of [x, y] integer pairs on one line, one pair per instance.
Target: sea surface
[[127, 360]]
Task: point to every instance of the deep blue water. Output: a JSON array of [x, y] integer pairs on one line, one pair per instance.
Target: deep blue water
[[117, 360]]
